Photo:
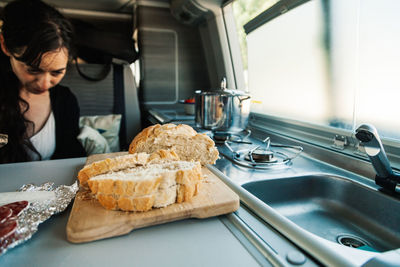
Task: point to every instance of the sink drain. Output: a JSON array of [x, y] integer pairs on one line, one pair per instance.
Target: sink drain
[[351, 241]]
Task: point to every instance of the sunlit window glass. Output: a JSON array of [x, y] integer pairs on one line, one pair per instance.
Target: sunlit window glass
[[330, 63]]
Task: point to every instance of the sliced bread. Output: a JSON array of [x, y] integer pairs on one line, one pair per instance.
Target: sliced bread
[[142, 188], [183, 139], [124, 162]]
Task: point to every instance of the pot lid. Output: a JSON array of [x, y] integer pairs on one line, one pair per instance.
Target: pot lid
[[223, 91]]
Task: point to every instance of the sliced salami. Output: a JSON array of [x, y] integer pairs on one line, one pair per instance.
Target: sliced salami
[[4, 213], [17, 207], [7, 228]]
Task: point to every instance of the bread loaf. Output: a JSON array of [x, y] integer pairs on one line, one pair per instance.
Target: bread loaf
[[142, 188], [124, 162], [183, 139]]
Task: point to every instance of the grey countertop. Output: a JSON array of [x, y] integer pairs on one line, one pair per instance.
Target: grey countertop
[[190, 242]]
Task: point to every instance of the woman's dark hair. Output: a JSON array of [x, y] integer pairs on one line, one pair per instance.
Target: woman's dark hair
[[30, 29]]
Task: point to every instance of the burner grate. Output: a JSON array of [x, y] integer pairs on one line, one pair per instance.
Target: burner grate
[[263, 156]]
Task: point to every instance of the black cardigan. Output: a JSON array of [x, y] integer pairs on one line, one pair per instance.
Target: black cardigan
[[66, 115]]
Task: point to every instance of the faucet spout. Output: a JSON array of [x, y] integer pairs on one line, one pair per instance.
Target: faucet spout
[[368, 135]]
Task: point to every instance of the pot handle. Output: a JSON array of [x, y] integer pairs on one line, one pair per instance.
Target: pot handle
[[223, 83], [243, 99]]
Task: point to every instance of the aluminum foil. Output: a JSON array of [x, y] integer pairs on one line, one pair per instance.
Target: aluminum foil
[[38, 212]]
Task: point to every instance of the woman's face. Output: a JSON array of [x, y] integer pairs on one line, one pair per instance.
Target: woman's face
[[49, 73]]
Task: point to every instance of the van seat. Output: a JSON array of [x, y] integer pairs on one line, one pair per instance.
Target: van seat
[[115, 94]]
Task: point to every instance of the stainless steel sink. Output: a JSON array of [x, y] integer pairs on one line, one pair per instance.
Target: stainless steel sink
[[335, 208]]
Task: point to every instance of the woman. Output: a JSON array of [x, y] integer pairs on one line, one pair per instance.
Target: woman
[[40, 117]]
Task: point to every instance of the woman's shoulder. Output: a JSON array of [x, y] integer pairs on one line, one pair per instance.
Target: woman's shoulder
[[63, 103], [60, 92], [62, 96]]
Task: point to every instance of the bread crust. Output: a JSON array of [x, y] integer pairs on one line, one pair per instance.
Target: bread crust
[[170, 136], [167, 188], [123, 162]]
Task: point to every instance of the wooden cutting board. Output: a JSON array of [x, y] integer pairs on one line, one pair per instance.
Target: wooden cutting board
[[89, 221]]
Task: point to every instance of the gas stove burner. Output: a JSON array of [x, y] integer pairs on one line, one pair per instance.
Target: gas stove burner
[[261, 155]]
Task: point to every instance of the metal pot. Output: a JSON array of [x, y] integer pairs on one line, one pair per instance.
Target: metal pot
[[222, 110]]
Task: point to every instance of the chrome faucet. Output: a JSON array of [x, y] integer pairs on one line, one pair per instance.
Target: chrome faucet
[[385, 177]]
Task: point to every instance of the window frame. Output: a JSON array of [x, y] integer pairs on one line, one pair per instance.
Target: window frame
[[274, 11]]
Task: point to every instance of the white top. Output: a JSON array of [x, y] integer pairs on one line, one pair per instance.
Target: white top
[[45, 140]]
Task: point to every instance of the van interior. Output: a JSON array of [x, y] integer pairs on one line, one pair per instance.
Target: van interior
[[321, 81]]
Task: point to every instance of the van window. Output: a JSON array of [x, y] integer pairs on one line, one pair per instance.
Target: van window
[[334, 64]]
